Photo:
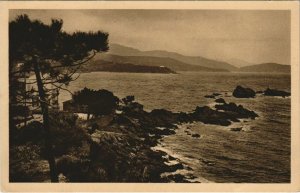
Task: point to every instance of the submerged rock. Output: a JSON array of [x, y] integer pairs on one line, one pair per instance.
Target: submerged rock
[[274, 92], [241, 92]]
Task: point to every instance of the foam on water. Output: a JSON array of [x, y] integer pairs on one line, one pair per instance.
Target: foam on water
[[180, 159]]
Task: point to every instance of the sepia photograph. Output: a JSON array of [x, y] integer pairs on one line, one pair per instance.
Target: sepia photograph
[[167, 96]]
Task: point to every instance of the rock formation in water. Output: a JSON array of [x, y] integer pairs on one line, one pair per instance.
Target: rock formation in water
[[274, 92], [241, 92]]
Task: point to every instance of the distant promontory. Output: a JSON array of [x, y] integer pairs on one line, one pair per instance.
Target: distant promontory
[[104, 66]]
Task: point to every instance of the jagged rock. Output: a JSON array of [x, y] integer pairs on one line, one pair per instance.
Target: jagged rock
[[207, 115], [238, 110], [220, 100], [171, 157], [177, 178], [241, 92], [163, 118], [133, 107], [274, 92], [184, 117], [175, 167]]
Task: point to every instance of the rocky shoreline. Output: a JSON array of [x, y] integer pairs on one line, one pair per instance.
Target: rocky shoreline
[[120, 147]]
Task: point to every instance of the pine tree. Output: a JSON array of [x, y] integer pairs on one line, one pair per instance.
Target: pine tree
[[53, 57]]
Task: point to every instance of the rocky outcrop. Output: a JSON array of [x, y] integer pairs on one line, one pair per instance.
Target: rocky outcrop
[[210, 116], [119, 147], [274, 92], [236, 111], [241, 92]]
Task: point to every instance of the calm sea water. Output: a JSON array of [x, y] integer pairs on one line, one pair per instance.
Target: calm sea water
[[260, 153]]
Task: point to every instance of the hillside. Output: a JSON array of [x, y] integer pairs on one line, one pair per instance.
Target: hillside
[[267, 67], [238, 62], [153, 61], [116, 49], [105, 66]]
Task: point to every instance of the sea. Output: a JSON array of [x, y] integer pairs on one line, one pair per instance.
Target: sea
[[259, 153]]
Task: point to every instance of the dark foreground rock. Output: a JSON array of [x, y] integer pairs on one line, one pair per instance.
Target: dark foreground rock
[[274, 92], [241, 92]]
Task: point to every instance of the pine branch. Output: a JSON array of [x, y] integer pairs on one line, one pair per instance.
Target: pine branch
[[78, 63]]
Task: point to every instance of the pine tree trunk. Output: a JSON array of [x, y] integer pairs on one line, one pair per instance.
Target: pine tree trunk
[[88, 116], [48, 138]]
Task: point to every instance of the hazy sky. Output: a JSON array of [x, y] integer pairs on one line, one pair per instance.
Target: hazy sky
[[253, 36]]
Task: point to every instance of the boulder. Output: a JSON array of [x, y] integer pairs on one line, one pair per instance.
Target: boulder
[[241, 92], [220, 100], [274, 92]]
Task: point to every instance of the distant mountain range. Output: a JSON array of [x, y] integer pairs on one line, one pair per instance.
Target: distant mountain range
[[132, 58], [238, 62], [212, 65]]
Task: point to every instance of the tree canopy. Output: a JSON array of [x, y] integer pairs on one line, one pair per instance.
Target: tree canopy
[[99, 102], [52, 47]]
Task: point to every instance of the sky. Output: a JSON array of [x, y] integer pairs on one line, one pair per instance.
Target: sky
[[255, 36]]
